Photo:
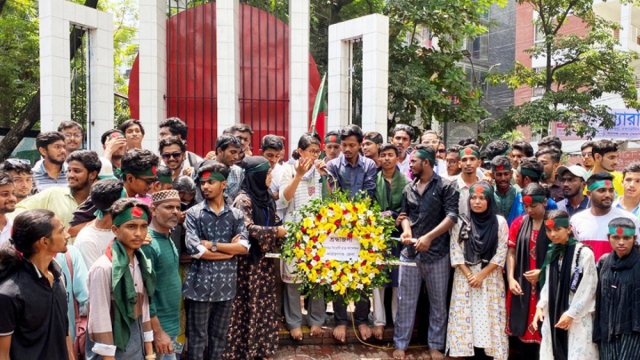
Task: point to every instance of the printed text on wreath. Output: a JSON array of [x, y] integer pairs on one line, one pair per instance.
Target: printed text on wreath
[[341, 248]]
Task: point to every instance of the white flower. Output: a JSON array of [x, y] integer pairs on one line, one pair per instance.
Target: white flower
[[360, 286], [371, 275]]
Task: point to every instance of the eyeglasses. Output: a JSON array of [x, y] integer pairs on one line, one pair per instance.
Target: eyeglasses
[[149, 181], [73, 136], [442, 151], [587, 154], [175, 155]]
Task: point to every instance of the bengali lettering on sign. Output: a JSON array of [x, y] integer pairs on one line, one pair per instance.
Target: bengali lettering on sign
[[341, 249], [626, 126]]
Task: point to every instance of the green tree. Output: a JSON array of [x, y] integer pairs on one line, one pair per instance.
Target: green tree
[[578, 71]]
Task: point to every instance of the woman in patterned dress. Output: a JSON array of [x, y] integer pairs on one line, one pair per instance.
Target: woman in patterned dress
[[253, 332], [477, 316]]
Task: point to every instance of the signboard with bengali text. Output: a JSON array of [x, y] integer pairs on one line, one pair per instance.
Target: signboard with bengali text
[[341, 249]]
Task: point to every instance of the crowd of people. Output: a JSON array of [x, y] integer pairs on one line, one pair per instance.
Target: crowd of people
[[145, 254]]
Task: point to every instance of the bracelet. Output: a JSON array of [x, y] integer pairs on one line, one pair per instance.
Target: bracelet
[[468, 275], [150, 357]]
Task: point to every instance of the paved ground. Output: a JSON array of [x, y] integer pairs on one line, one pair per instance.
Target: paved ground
[[341, 352]]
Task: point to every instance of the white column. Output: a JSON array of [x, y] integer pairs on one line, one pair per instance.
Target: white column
[[338, 81], [55, 73], [625, 24], [298, 71], [101, 81], [228, 62], [375, 79], [153, 68]]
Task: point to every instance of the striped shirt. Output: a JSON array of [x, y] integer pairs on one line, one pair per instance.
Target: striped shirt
[[42, 180]]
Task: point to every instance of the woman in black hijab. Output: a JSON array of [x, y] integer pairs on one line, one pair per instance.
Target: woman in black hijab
[[253, 332], [478, 316]]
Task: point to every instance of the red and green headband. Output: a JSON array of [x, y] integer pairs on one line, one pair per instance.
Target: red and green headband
[[557, 222], [425, 155], [599, 184], [211, 175], [129, 214], [332, 139], [481, 188], [621, 231], [152, 171], [501, 167], [468, 151], [533, 199]]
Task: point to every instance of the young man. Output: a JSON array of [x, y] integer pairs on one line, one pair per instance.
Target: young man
[[430, 204], [520, 149], [371, 145], [586, 150], [243, 132], [83, 167], [573, 180], [331, 145], [20, 172], [120, 283], [33, 300], [549, 158], [165, 180], [165, 261], [114, 144], [550, 142], [402, 137], [94, 238], [228, 152], [271, 147], [173, 126], [50, 171], [7, 205], [605, 158], [354, 174], [469, 164], [453, 161], [72, 132], [215, 234], [441, 154], [630, 201], [172, 151], [505, 194], [529, 171], [590, 226]]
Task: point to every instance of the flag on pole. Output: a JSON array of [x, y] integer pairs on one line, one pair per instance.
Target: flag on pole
[[319, 109]]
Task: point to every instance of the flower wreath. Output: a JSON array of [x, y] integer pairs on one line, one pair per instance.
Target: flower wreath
[[343, 218]]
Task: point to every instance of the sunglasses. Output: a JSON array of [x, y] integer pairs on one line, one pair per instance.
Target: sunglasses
[[442, 151], [175, 155]]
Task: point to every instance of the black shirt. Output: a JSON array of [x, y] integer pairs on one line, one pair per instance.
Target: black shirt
[[426, 211], [34, 313]]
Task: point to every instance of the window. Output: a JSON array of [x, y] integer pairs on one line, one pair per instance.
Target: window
[[480, 48]]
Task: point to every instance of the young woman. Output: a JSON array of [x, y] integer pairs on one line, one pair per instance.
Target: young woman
[[299, 184], [253, 332], [617, 321], [133, 132], [527, 248], [477, 316], [568, 298]]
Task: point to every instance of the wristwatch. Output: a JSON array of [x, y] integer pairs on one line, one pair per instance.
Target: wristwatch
[[214, 247]]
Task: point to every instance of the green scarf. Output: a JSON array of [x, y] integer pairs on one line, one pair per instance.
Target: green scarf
[[555, 250], [398, 182], [124, 292]]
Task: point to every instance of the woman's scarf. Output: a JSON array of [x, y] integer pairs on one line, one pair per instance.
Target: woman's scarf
[[559, 288], [256, 169], [483, 242], [123, 290], [520, 304], [390, 200]]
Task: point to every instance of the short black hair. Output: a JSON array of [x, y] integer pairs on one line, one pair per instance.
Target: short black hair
[[634, 167], [374, 136], [455, 149], [105, 192], [107, 134], [224, 141], [352, 130], [241, 128], [5, 178], [176, 127], [532, 164], [69, 124], [624, 222], [468, 141], [496, 148], [123, 204], [603, 147], [88, 158], [171, 140], [586, 144], [47, 138], [214, 167], [129, 123], [501, 160], [602, 175], [270, 141], [138, 161], [20, 166], [184, 183], [524, 147], [386, 147], [550, 141], [406, 128], [553, 152]]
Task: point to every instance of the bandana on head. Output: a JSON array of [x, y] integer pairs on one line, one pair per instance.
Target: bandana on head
[[165, 179], [533, 199], [528, 172], [264, 166], [468, 151], [132, 213], [495, 168], [621, 231], [332, 139], [560, 221], [211, 175], [599, 184], [424, 155], [152, 171], [481, 188]]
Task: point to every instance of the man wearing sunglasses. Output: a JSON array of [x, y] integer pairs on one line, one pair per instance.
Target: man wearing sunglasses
[[173, 152]]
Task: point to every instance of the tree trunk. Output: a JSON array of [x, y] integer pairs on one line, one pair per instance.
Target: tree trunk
[[31, 112]]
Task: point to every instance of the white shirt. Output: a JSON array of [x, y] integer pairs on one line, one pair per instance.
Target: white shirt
[[92, 242], [5, 233], [593, 230]]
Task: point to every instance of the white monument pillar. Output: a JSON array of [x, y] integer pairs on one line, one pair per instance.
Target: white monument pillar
[[374, 32], [299, 18], [153, 68], [228, 62], [626, 27]]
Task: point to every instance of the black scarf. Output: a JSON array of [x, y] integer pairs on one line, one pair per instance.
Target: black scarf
[[483, 242], [519, 313], [262, 203], [559, 288]]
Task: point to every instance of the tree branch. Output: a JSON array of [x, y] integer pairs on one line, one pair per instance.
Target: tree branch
[[564, 16]]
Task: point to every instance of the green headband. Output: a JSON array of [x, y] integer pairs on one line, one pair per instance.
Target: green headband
[[468, 152], [132, 213], [332, 139], [265, 166], [529, 172], [533, 199], [425, 155], [560, 221], [152, 171], [621, 231], [211, 175], [495, 168], [165, 179], [599, 184]]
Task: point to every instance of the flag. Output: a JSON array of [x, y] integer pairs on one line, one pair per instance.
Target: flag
[[319, 109]]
